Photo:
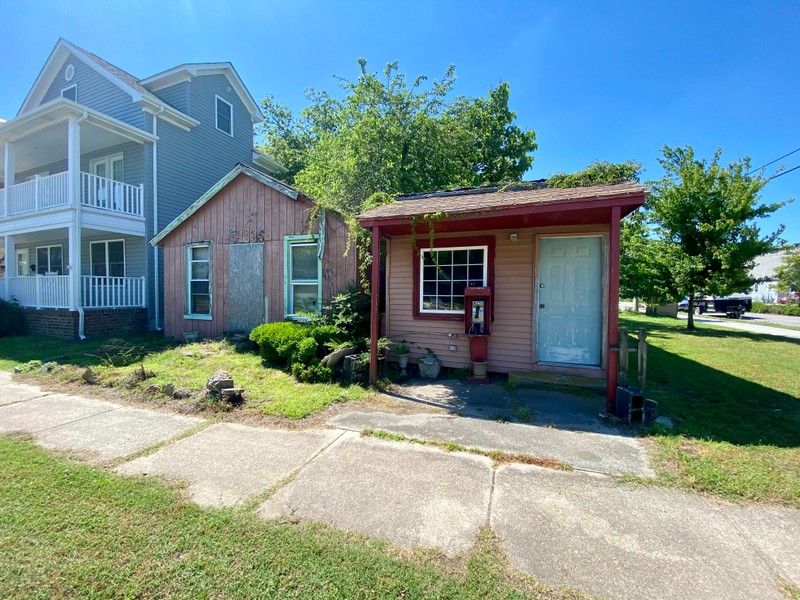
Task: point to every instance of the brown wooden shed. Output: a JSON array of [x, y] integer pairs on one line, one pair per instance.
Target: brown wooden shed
[[251, 250]]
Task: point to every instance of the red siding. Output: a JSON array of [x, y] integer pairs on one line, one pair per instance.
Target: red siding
[[247, 211]]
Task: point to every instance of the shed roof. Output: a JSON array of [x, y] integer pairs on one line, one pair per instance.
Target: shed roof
[[477, 200]]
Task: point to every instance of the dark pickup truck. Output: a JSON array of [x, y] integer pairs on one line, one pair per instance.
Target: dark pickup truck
[[733, 307]]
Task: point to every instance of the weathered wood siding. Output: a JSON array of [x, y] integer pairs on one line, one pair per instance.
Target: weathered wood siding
[[247, 211], [512, 338]]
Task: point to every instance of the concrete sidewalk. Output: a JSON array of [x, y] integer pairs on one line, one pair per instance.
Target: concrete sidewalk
[[571, 528]]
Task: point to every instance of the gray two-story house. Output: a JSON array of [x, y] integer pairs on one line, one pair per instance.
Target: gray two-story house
[[94, 164]]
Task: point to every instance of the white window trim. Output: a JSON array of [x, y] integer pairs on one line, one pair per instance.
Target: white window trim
[[124, 258], [423, 251], [69, 87], [26, 252], [188, 281], [216, 115], [36, 255]]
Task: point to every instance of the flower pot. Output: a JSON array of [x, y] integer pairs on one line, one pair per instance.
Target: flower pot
[[479, 369], [402, 362], [429, 367]]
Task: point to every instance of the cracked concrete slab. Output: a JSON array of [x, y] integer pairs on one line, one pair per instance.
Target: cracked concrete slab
[[227, 463], [775, 532], [409, 495], [17, 392], [623, 541], [602, 453], [115, 433], [50, 411]]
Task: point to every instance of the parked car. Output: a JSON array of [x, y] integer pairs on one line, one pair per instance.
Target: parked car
[[788, 297]]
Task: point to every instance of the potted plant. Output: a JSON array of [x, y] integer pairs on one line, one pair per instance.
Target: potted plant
[[429, 365], [401, 351]]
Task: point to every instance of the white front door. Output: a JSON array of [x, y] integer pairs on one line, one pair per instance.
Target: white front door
[[569, 293]]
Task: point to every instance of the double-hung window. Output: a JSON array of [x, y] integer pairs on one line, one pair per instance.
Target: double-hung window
[[224, 112], [303, 282], [108, 258], [49, 260], [198, 281], [444, 275]]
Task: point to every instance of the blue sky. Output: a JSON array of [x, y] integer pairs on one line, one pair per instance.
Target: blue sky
[[595, 80]]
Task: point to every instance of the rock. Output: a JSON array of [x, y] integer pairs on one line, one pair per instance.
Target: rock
[[168, 389], [48, 368], [89, 376], [17, 370], [337, 356], [219, 381], [182, 393]]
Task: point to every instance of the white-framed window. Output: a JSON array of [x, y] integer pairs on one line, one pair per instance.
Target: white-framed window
[[198, 281], [107, 258], [446, 272], [224, 112], [303, 275], [70, 92], [109, 167], [50, 260]]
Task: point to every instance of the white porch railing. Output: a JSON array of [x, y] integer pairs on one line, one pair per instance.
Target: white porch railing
[[38, 194], [53, 190], [112, 292], [49, 291], [52, 291], [107, 194]]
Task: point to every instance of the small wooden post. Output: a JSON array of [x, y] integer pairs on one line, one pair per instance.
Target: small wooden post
[[623, 356], [375, 292], [642, 359]]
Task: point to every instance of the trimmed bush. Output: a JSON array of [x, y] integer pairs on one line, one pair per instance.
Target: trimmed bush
[[305, 351], [12, 319], [277, 342], [791, 310]]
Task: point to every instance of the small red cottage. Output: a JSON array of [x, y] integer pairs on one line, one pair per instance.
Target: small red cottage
[[251, 250], [545, 263]]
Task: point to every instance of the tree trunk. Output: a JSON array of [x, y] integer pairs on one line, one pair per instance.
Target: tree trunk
[[690, 308]]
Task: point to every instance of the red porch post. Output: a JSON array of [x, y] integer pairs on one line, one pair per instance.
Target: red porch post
[[612, 361], [375, 294]]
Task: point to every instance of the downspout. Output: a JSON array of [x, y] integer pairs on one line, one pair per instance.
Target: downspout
[[81, 315], [156, 288]]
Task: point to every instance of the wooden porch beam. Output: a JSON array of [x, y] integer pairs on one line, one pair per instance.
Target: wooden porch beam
[[613, 306], [375, 293]]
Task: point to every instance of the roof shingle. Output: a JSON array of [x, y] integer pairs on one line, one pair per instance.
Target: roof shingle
[[460, 202]]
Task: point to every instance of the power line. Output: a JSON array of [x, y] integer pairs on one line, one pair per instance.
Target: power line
[[782, 173], [774, 161]]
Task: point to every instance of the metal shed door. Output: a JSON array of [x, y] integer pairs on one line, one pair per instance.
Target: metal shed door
[[245, 286], [569, 316]]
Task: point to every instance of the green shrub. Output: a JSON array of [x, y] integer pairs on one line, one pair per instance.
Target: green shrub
[[326, 335], [12, 319], [350, 313], [305, 351], [314, 372], [277, 342], [792, 310], [759, 307]]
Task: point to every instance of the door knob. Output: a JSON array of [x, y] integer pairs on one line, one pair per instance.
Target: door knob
[[541, 306]]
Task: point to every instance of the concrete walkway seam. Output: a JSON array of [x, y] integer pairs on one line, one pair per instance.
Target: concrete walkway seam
[[42, 395], [158, 446], [105, 412]]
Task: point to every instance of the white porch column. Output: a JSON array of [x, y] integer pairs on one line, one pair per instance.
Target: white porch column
[[9, 168], [74, 169], [11, 263]]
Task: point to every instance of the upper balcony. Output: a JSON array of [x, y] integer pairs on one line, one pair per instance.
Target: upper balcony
[[63, 156], [52, 191]]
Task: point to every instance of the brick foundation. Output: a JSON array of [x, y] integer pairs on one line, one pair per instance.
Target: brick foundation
[[98, 322]]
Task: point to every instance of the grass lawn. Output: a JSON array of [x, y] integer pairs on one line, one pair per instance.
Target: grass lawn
[[187, 367], [68, 530], [735, 400]]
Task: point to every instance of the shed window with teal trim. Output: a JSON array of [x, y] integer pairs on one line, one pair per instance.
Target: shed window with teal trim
[[302, 275], [198, 281]]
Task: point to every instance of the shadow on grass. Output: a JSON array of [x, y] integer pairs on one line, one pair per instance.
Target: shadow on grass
[[723, 384]]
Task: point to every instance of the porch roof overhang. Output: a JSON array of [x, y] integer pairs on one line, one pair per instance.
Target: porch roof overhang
[[515, 208], [61, 109]]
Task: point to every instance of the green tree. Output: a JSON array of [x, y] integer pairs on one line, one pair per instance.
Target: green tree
[[388, 136], [704, 216], [788, 272]]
